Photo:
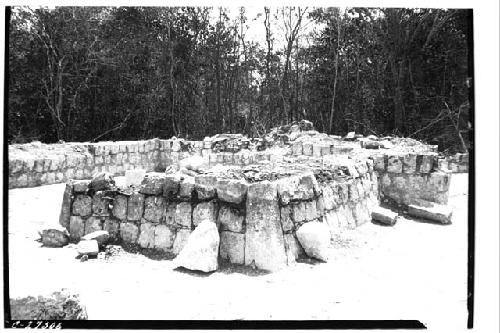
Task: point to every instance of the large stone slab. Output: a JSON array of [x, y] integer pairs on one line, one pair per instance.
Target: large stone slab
[[82, 205], [183, 214], [129, 232], [232, 247], [434, 212], [65, 213], [314, 237], [201, 250], [384, 216], [146, 235], [120, 207], [297, 188], [153, 183], [205, 186], [230, 190], [154, 209], [230, 219], [163, 237], [88, 247], [76, 228], [264, 245], [135, 207]]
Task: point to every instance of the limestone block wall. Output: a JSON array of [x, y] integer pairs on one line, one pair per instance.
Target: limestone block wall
[[33, 165], [457, 163], [412, 178], [256, 221]]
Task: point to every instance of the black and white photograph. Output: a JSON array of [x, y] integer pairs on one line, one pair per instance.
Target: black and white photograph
[[253, 166]]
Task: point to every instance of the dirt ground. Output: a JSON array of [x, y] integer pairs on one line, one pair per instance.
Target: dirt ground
[[413, 270]]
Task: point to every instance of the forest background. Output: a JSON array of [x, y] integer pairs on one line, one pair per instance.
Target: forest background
[[128, 73]]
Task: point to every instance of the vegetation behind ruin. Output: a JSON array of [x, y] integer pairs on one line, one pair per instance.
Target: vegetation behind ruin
[[127, 73]]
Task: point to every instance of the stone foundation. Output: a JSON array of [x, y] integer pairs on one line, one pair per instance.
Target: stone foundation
[[256, 221]]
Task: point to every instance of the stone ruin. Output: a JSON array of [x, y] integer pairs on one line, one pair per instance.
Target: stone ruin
[[262, 202]]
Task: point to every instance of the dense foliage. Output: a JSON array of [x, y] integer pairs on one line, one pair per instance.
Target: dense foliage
[[99, 73]]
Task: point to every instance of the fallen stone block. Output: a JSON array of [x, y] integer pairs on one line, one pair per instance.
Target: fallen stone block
[[81, 186], [88, 247], [101, 236], [54, 237], [434, 212], [201, 250], [384, 216], [314, 237]]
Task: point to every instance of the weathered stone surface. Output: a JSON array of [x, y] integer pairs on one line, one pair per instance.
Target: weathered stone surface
[[120, 207], [315, 239], [342, 190], [201, 250], [428, 163], [76, 228], [183, 214], [82, 205], [205, 186], [101, 236], [232, 247], [353, 191], [410, 163], [172, 185], [332, 221], [102, 181], [230, 219], [135, 207], [153, 183], [394, 164], [88, 247], [112, 226], [286, 213], [81, 186], [439, 181], [163, 237], [205, 211], [297, 188], [384, 216], [329, 200], [434, 212], [146, 235], [293, 248], [180, 241], [305, 211], [264, 244], [154, 209], [54, 237], [64, 215], [230, 190], [129, 232], [100, 204], [92, 224], [186, 187]]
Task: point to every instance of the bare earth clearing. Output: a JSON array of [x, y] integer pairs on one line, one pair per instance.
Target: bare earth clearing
[[409, 271]]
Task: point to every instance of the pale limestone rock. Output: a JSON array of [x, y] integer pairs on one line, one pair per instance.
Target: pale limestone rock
[[201, 250], [315, 239]]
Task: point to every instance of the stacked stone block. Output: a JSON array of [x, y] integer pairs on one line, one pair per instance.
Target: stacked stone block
[[257, 222], [412, 178]]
